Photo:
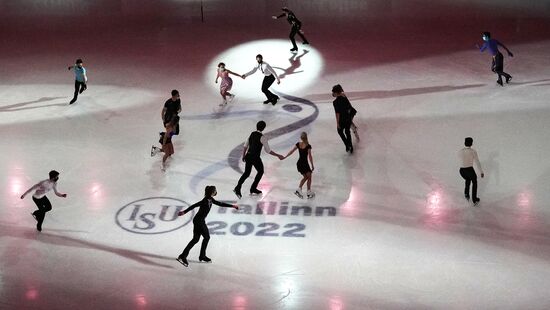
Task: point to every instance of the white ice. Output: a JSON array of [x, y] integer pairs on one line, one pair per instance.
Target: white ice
[[401, 235]]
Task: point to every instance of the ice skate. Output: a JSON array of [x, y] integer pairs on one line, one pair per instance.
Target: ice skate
[[299, 194], [154, 150], [238, 193], [205, 259], [255, 192], [183, 261], [310, 195]]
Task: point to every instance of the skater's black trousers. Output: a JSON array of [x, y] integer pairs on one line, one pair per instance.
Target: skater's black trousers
[[79, 87], [345, 134], [469, 174], [266, 84], [258, 165], [44, 206], [199, 229], [296, 30], [497, 66]]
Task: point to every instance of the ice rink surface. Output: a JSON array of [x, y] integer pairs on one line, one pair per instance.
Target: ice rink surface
[[389, 227]]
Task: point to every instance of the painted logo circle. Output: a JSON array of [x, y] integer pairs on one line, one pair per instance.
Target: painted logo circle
[[154, 215]]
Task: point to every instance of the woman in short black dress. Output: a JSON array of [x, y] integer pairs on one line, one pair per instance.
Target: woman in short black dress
[[199, 224], [304, 150]]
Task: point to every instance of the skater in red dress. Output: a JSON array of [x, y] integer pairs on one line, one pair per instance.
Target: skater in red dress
[[226, 83], [304, 150], [199, 224]]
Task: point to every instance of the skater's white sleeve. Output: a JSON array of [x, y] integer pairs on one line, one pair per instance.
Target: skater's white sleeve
[[264, 140], [251, 71], [476, 159]]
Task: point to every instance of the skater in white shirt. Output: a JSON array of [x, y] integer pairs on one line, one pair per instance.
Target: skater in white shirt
[[269, 77], [40, 199], [467, 158]]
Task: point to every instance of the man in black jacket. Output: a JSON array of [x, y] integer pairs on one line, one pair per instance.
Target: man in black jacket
[[296, 27]]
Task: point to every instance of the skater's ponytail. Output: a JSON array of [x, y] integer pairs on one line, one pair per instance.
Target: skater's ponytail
[[303, 136]]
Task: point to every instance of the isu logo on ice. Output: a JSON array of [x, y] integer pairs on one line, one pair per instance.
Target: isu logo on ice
[[155, 215]]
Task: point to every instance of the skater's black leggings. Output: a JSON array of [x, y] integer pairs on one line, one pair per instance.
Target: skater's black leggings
[[296, 30], [79, 87], [44, 206], [469, 174], [345, 134], [199, 229], [258, 165], [267, 82]]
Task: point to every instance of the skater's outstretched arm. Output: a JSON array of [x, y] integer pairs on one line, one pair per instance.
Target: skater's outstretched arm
[[191, 207], [507, 50], [223, 204], [35, 186], [278, 16], [231, 72], [268, 150], [250, 72], [291, 151]]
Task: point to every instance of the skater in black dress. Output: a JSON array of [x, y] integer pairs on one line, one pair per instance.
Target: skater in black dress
[[199, 224], [304, 150]]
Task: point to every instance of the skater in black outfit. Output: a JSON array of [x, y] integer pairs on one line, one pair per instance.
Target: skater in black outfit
[[199, 224], [497, 66], [251, 156], [467, 158], [344, 115], [40, 199], [304, 150], [296, 27], [269, 77], [171, 108]]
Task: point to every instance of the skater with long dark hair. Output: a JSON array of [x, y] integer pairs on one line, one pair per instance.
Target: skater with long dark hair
[[81, 79], [468, 156], [40, 199], [296, 27], [304, 150], [199, 224], [251, 156], [344, 116], [497, 66], [227, 82]]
